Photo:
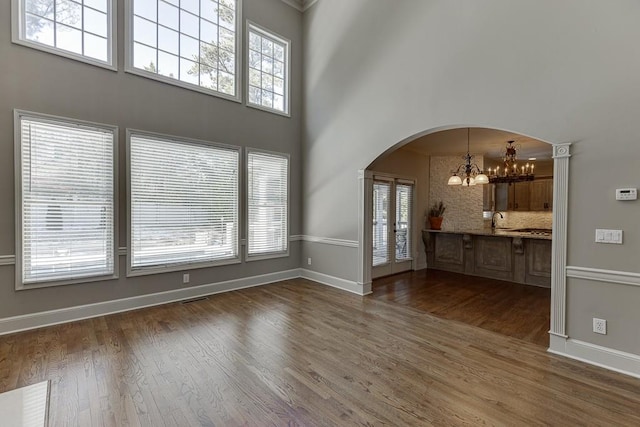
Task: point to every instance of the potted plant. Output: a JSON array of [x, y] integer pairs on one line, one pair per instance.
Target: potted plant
[[435, 215]]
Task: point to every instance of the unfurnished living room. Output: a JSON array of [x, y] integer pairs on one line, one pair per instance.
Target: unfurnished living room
[[319, 212]]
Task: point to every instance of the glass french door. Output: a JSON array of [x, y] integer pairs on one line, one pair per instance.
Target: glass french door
[[392, 226]]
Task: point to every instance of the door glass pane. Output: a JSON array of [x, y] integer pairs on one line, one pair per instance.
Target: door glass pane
[[381, 192], [404, 196]]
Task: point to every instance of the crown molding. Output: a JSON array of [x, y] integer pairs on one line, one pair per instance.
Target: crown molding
[[300, 5]]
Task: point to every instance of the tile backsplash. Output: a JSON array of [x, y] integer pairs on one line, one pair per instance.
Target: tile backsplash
[[523, 220], [464, 204]]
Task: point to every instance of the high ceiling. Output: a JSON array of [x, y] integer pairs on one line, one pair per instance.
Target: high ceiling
[[488, 142]]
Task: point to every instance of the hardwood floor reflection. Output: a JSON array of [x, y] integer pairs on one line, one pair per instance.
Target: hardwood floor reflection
[[297, 353], [511, 309]]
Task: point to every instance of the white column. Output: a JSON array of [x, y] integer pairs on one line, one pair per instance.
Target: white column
[[365, 212], [561, 157]]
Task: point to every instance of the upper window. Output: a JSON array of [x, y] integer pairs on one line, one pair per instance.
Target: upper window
[[183, 201], [79, 29], [66, 199], [268, 203], [268, 83], [191, 43]]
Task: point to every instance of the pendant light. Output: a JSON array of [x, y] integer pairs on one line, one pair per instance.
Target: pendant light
[[468, 174]]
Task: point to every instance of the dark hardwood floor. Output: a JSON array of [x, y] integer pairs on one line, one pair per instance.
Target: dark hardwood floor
[[512, 309], [300, 353]]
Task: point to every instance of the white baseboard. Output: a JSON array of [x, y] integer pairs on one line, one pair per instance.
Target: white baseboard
[[53, 317], [335, 282], [608, 358]]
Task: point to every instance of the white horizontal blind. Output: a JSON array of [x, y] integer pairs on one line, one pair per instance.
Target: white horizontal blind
[[381, 201], [268, 200], [67, 207], [404, 209], [183, 202]]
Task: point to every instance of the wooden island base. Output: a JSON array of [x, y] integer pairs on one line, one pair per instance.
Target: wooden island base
[[513, 257]]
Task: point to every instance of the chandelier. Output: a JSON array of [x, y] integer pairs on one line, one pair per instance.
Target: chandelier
[[468, 173], [511, 172]]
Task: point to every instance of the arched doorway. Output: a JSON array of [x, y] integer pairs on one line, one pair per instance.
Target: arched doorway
[[560, 166]]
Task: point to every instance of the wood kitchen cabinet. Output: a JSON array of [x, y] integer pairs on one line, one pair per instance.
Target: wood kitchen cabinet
[[521, 197], [512, 197], [541, 195]]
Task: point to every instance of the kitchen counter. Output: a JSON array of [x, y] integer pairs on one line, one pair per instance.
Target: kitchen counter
[[521, 256], [506, 232]]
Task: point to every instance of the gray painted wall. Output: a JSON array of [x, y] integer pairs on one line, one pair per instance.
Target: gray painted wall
[[45, 83], [557, 71], [333, 260]]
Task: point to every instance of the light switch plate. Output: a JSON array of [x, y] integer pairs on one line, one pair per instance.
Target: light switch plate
[[609, 236]]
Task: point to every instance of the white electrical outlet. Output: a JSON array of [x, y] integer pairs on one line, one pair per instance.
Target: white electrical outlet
[[185, 278], [599, 326], [309, 261]]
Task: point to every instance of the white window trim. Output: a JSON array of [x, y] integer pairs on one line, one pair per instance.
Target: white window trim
[[287, 81], [17, 7], [144, 271], [17, 115], [131, 69], [267, 255]]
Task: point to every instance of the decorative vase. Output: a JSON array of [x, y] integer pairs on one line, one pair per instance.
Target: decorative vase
[[435, 222]]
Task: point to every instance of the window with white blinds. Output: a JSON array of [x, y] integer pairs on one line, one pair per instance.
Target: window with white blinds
[[66, 200], [268, 203], [404, 209], [381, 191], [183, 201]]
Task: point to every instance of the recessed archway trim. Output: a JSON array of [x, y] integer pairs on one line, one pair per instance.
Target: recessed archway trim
[[561, 156]]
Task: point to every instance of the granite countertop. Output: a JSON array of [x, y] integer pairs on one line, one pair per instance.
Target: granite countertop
[[505, 232]]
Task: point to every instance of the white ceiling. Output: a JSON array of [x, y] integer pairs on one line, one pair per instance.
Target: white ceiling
[[489, 142]]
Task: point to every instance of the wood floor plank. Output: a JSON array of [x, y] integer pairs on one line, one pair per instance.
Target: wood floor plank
[[512, 309], [299, 353]]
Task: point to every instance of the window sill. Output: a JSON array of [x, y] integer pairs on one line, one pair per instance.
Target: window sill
[[269, 110], [179, 83], [65, 54], [171, 268], [37, 285], [265, 256]]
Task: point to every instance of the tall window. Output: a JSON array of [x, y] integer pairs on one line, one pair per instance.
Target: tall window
[[268, 203], [80, 29], [192, 43], [66, 200], [183, 202], [268, 70]]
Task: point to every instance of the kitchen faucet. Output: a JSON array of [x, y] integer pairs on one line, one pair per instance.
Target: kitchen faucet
[[493, 219]]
